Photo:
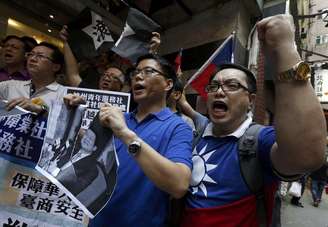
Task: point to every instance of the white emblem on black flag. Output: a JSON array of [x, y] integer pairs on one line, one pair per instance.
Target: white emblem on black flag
[[99, 31]]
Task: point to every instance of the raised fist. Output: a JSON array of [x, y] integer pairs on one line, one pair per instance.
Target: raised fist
[[276, 33]]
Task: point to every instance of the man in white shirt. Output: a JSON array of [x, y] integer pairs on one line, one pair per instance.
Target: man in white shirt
[[43, 63]]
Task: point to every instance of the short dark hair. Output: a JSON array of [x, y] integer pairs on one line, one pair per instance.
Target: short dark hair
[[114, 66], [250, 77], [57, 56], [9, 37], [30, 43], [167, 68], [128, 72], [178, 86]]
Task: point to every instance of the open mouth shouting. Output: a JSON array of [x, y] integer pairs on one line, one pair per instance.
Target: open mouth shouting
[[105, 85], [8, 56], [219, 109], [138, 89]]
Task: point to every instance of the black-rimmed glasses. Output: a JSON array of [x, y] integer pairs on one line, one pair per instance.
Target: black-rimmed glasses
[[147, 71], [37, 56], [228, 86]]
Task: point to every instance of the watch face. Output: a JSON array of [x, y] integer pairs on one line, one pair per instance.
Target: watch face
[[134, 147], [303, 71]]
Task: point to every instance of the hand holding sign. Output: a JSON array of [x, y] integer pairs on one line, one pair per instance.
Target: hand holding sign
[[112, 117]]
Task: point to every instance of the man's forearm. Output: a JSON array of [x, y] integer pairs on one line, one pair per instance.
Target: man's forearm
[[169, 176], [299, 123], [299, 120], [72, 70]]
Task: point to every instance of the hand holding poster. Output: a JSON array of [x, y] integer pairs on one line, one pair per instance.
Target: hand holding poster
[[21, 134], [78, 158], [94, 98], [26, 197]]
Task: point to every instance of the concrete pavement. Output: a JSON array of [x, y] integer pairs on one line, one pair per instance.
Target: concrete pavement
[[309, 216]]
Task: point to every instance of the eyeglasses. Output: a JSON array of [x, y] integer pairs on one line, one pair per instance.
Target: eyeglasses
[[147, 72], [228, 86], [112, 77], [37, 56]]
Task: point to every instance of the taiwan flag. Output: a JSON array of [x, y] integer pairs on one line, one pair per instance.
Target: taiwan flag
[[224, 54], [177, 62]]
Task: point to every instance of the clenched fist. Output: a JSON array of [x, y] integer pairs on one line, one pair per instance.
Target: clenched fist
[[113, 117], [276, 35]]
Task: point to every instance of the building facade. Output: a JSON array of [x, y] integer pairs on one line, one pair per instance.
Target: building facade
[[314, 45]]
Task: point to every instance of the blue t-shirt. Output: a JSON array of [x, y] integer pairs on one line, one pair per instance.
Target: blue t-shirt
[[218, 180], [136, 201], [218, 194]]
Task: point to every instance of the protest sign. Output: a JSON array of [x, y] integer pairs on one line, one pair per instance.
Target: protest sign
[[94, 98], [21, 134], [26, 197], [81, 162]]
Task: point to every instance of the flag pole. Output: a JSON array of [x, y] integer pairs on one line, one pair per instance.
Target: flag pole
[[209, 60], [179, 56], [126, 4], [233, 34]]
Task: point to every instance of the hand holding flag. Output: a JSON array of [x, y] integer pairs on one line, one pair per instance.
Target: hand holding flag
[[155, 43], [91, 34], [135, 37]]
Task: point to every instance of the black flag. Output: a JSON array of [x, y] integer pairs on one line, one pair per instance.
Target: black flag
[[90, 35], [134, 40]]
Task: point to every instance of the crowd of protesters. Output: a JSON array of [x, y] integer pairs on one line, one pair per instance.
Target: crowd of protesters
[[158, 161]]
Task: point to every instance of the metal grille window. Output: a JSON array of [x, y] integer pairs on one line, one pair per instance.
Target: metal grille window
[[321, 39]]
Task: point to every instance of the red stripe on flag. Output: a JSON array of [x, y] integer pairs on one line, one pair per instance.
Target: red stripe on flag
[[201, 81], [177, 62], [241, 213]]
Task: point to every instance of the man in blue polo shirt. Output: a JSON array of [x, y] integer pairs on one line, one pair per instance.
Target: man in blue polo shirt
[[218, 194], [154, 149]]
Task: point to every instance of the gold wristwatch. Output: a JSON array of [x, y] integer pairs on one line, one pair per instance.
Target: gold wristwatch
[[300, 72]]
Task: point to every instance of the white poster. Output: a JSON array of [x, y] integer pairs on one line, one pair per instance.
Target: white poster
[[81, 162], [321, 84]]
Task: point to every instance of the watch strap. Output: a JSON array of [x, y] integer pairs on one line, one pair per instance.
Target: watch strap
[[296, 73], [44, 109]]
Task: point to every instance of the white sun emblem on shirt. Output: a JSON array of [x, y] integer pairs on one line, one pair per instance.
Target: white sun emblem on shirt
[[200, 170]]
